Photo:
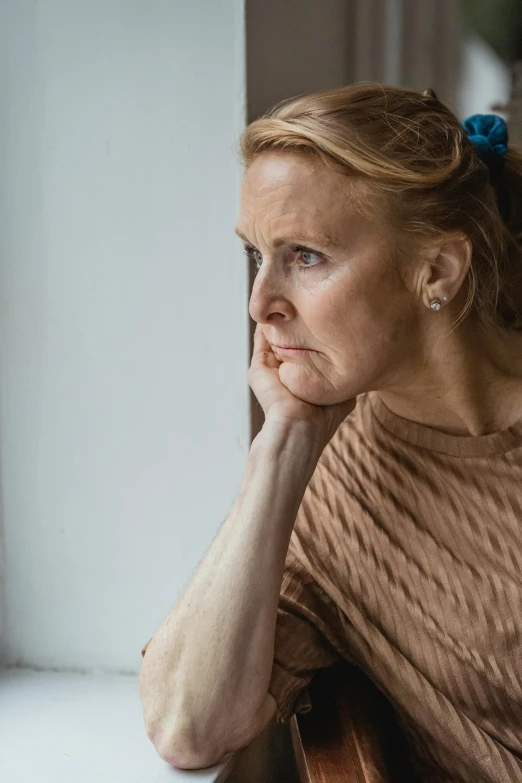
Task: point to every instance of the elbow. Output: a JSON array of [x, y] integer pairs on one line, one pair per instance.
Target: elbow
[[176, 738], [179, 748], [181, 739], [194, 746], [185, 758]]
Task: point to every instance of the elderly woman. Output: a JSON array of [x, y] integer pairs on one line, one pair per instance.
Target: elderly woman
[[380, 516]]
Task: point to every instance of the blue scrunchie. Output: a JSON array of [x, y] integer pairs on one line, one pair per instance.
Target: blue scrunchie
[[489, 135]]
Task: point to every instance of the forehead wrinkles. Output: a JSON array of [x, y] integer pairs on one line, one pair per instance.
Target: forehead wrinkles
[[291, 197], [286, 194], [284, 218], [271, 179]]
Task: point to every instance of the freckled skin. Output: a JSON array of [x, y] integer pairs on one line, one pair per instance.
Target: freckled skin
[[352, 309]]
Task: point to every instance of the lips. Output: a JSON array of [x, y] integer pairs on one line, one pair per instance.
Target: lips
[[290, 351]]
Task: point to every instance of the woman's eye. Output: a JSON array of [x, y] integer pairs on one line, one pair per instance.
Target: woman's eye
[[309, 257], [254, 255]]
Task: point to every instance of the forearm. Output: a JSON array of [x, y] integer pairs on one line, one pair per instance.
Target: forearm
[[207, 670]]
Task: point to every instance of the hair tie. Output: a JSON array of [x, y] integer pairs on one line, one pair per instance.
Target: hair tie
[[489, 135]]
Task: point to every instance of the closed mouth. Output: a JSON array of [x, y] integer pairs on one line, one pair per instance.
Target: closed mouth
[[291, 348]]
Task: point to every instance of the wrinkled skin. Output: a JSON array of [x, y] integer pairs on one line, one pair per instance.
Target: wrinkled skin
[[362, 312]]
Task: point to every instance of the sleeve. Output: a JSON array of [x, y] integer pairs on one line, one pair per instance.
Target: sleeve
[[304, 640]]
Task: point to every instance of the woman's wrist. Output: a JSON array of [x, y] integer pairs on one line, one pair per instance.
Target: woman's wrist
[[297, 440]]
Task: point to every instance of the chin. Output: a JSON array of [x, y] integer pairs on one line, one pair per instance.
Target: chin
[[312, 390]]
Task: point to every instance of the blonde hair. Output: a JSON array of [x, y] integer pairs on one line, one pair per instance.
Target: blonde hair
[[421, 170]]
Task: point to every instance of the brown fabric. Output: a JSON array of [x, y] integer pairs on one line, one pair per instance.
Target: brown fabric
[[406, 559]]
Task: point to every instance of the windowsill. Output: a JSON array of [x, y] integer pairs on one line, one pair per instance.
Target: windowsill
[[73, 728]]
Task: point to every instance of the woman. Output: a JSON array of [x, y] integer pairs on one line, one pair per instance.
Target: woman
[[380, 518]]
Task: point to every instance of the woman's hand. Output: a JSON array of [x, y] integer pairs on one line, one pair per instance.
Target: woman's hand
[[280, 406]]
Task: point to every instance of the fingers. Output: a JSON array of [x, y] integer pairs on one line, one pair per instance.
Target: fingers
[[263, 350], [261, 344], [260, 341]]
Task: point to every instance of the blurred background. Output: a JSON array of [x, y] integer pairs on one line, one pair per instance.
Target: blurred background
[[125, 412]]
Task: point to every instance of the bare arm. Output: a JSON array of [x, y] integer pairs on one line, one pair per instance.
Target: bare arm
[[205, 675]]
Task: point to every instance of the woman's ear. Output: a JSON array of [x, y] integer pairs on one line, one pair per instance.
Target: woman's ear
[[446, 264]]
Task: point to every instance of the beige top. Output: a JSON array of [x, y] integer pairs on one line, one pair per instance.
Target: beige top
[[405, 559]]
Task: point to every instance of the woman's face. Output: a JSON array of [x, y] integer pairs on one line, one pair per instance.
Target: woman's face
[[324, 281]]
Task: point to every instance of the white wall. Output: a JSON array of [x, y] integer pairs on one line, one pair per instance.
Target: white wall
[[123, 315]]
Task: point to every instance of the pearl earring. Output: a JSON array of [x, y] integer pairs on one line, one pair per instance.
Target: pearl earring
[[435, 304]]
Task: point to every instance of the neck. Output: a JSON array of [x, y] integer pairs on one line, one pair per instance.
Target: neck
[[463, 383]]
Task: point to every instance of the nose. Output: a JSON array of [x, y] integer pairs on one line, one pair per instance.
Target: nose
[[268, 300]]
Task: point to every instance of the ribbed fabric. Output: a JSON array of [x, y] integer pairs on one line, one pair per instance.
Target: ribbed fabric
[[406, 559]]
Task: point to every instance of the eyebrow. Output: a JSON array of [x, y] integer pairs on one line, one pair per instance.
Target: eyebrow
[[321, 240]]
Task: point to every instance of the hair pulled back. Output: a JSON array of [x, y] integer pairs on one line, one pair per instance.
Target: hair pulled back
[[421, 170]]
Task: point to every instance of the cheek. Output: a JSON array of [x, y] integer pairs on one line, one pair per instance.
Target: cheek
[[350, 314], [364, 325], [374, 303], [376, 329], [362, 329]]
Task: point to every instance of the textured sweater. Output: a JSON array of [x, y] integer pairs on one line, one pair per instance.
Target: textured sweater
[[406, 559]]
